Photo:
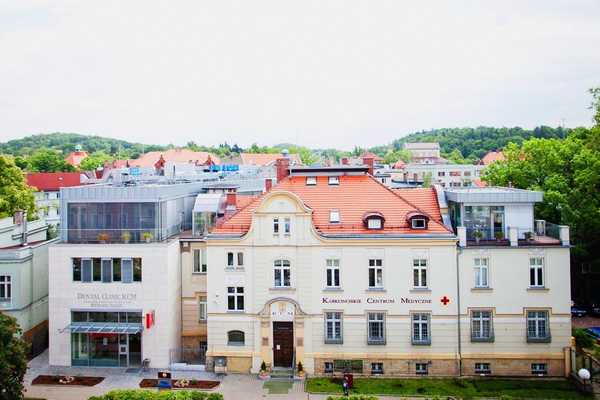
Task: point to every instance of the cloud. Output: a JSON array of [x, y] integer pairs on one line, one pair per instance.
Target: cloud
[[319, 73]]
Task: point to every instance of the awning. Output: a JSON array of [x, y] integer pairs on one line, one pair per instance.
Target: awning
[[105, 327]]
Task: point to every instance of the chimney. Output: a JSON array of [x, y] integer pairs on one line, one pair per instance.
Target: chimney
[[369, 161], [283, 168], [345, 161], [231, 201], [268, 184], [20, 219]]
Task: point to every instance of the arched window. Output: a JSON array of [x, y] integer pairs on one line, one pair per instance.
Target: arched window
[[417, 220], [282, 273], [235, 338], [373, 220]]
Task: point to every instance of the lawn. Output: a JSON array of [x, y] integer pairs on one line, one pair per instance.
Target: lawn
[[277, 387], [464, 388]]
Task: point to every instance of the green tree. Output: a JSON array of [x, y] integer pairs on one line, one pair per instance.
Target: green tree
[[94, 160], [13, 359], [392, 156], [14, 192], [47, 160]]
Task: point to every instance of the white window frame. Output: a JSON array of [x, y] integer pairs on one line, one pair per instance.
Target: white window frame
[[280, 267], [479, 320], [6, 283], [332, 273], [423, 226], [333, 180], [374, 223], [421, 368], [376, 318], [539, 369], [202, 309], [481, 267], [287, 225], [378, 281], [236, 293], [311, 181], [199, 265], [377, 368], [540, 321], [335, 320], [334, 216], [276, 226], [420, 273], [483, 368], [536, 266], [420, 336]]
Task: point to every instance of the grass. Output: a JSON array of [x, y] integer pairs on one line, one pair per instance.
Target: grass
[[463, 388], [277, 387]]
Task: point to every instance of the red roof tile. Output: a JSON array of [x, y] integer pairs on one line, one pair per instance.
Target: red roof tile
[[53, 181], [148, 160], [424, 198], [76, 157], [354, 196], [265, 159], [491, 157]]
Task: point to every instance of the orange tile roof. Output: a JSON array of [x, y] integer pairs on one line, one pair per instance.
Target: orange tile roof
[[354, 196], [264, 159], [491, 157], [147, 160], [75, 158], [424, 198]]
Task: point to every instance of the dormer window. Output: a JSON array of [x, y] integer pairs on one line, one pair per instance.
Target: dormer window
[[334, 216], [311, 180], [373, 220], [334, 180], [417, 220]]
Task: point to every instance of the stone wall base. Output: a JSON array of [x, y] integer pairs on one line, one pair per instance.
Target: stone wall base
[[514, 367]]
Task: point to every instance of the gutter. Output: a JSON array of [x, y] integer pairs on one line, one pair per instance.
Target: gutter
[[458, 252]]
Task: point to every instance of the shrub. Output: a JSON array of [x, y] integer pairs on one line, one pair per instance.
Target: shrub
[[300, 367], [582, 339], [263, 366], [136, 394], [353, 397]]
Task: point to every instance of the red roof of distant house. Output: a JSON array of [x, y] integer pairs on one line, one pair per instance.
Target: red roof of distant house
[[148, 160], [76, 157], [265, 159], [399, 164], [53, 181], [491, 157], [374, 156], [353, 197], [479, 183]]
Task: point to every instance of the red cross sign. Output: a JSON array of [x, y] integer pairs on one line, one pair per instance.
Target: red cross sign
[[445, 300]]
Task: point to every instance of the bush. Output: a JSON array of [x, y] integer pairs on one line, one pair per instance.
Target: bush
[[353, 397], [136, 394], [582, 339]]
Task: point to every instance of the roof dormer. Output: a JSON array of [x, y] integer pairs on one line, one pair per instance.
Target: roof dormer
[[417, 220], [373, 220]]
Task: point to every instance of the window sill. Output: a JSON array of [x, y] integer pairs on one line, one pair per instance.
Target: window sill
[[420, 290], [376, 342], [538, 289], [333, 341], [481, 289], [376, 289], [236, 344], [333, 289], [198, 273], [423, 343], [539, 340], [283, 288], [234, 269], [236, 311], [482, 340]]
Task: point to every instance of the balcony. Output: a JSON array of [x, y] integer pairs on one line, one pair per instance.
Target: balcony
[[122, 236], [543, 234]]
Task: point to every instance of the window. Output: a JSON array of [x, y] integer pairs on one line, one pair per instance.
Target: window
[[235, 338], [235, 259], [441, 173], [333, 328], [355, 366], [235, 298], [376, 273], [334, 180], [374, 223], [539, 369], [199, 261], [481, 326], [106, 270], [127, 270], [77, 269], [240, 259], [287, 225], [5, 288], [483, 368], [334, 216], [467, 173], [421, 369], [420, 273], [96, 269], [86, 270], [328, 367], [481, 272], [137, 269], [537, 326], [418, 223], [116, 269], [420, 329], [276, 225], [311, 180], [536, 272], [377, 368], [282, 273], [333, 273], [375, 328], [202, 309], [230, 259]]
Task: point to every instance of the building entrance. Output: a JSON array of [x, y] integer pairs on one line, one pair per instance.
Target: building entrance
[[283, 344]]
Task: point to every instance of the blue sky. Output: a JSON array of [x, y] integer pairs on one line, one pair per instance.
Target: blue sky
[[318, 73]]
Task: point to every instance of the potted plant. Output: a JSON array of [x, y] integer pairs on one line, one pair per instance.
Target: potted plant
[[528, 236], [147, 236], [478, 235], [103, 237], [126, 237], [300, 370], [499, 235], [263, 373]]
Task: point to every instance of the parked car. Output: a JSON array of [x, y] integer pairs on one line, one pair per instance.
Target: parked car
[[594, 333], [595, 309], [578, 312]]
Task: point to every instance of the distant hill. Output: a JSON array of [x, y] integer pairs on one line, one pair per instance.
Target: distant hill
[[473, 143], [67, 142]]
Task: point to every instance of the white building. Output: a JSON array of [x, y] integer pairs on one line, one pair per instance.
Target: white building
[[424, 152], [445, 175]]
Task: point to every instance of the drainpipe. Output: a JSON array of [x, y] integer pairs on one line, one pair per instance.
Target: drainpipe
[[458, 252]]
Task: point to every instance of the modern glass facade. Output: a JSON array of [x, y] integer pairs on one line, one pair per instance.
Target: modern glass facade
[[487, 220]]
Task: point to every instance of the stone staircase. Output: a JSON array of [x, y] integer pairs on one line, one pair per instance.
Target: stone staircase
[[282, 373]]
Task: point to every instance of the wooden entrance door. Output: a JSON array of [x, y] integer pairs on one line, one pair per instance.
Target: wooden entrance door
[[283, 344]]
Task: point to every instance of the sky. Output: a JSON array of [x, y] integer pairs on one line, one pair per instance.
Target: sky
[[316, 73]]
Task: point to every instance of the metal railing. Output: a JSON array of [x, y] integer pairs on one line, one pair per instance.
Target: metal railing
[[109, 236]]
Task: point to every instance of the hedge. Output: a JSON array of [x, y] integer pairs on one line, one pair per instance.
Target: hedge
[[353, 397], [137, 394]]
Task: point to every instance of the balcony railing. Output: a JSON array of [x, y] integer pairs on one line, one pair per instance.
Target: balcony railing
[[107, 236]]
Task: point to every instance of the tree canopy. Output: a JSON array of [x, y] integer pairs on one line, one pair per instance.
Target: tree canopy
[[15, 194], [47, 160], [13, 359]]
